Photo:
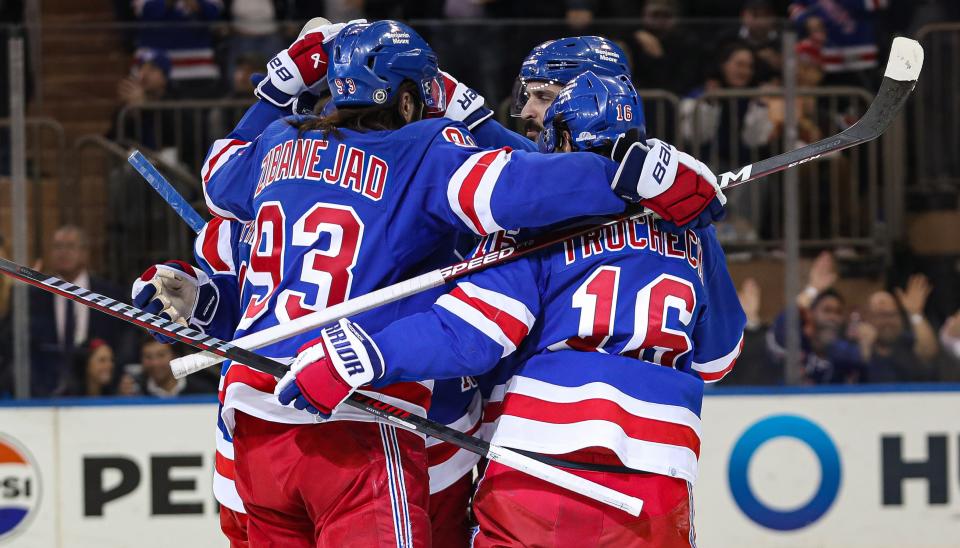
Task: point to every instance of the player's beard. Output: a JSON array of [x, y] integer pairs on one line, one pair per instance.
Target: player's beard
[[532, 128]]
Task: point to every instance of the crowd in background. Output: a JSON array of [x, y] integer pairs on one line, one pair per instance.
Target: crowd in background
[[889, 336], [208, 49]]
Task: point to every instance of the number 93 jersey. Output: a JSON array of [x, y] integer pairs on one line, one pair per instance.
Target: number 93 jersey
[[599, 345]]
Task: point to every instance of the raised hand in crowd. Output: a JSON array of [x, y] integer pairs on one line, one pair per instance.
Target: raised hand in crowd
[[822, 276], [750, 298], [913, 299]]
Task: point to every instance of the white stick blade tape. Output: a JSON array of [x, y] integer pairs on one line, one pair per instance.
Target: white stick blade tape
[[906, 60], [185, 365]]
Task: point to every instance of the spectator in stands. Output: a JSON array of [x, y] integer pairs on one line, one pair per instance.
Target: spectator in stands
[[149, 78], [59, 327], [159, 380], [164, 130], [845, 29], [758, 31], [950, 342], [899, 350], [753, 367], [826, 357], [665, 56], [95, 373], [189, 45], [6, 329], [708, 124], [809, 75], [254, 29]]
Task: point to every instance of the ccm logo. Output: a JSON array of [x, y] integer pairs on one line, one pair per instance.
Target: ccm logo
[[805, 160]]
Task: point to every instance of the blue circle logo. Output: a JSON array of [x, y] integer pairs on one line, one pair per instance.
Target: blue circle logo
[[19, 487], [793, 427]]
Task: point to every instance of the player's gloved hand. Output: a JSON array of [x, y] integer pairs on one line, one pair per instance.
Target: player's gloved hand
[[302, 66], [328, 369], [672, 184], [464, 104], [178, 292]]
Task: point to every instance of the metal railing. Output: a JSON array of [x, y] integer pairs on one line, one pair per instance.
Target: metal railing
[[138, 227], [180, 131], [46, 154], [935, 110], [840, 195]]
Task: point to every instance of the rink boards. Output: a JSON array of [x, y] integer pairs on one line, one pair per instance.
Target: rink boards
[[789, 467]]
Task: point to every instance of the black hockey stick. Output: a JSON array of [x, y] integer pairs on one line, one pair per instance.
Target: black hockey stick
[[539, 466], [900, 77]]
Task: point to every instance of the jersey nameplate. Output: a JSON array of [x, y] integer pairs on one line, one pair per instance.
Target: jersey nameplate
[[353, 168]]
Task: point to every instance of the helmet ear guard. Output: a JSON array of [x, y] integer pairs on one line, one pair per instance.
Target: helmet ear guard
[[371, 60]]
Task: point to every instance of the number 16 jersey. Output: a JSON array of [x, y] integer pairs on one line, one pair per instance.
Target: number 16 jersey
[[596, 349]]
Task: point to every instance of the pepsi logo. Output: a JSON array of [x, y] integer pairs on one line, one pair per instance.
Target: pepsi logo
[[19, 487]]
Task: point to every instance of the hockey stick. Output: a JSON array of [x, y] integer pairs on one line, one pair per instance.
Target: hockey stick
[[535, 467], [903, 69], [166, 190]]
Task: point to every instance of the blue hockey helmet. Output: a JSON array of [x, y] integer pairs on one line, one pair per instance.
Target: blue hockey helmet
[[560, 61], [596, 110], [371, 60]]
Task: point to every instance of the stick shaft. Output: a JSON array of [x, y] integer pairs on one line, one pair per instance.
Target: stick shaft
[[392, 414], [166, 191]]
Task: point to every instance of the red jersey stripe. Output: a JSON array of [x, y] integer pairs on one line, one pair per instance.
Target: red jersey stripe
[[513, 328], [640, 428]]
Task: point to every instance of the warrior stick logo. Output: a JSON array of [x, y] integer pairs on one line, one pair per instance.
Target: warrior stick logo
[[19, 488]]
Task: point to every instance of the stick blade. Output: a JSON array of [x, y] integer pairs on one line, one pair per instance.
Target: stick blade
[[906, 60]]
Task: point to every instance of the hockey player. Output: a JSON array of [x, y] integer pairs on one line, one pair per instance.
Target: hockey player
[[614, 334], [554, 63], [348, 204]]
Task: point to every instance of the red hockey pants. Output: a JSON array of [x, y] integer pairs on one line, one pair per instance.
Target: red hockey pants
[[517, 510], [331, 485]]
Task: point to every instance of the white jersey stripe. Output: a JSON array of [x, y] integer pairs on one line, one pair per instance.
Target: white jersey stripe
[[448, 472], [225, 491], [476, 319], [482, 198], [545, 391], [500, 301], [558, 439], [720, 363], [453, 189]]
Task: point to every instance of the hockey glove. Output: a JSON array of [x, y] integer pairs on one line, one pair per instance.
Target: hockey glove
[[301, 67], [672, 184], [464, 104], [179, 292], [328, 369]]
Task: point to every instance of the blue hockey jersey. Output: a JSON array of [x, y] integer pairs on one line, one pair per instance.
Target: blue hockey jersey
[[610, 338], [338, 215]]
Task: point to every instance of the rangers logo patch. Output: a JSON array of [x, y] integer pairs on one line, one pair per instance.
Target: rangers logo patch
[[380, 96]]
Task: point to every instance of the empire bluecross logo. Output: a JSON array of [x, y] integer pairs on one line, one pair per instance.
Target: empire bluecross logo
[[19, 488], [805, 431]]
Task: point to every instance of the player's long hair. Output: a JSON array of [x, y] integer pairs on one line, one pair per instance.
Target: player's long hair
[[372, 118]]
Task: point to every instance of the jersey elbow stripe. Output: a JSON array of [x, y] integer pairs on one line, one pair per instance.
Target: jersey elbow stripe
[[501, 330], [214, 246], [715, 370], [470, 190], [502, 318], [220, 152]]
